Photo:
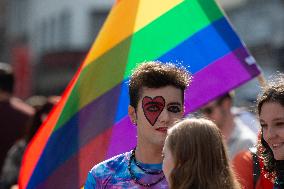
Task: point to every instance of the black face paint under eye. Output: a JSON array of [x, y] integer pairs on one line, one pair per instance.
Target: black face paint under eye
[[279, 124], [208, 110], [153, 107], [174, 109]]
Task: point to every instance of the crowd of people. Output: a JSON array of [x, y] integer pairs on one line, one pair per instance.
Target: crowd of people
[[216, 149], [19, 122]]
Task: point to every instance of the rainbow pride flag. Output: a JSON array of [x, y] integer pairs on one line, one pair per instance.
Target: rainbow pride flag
[[90, 123]]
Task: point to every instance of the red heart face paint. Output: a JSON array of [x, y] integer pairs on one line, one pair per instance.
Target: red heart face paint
[[152, 108]]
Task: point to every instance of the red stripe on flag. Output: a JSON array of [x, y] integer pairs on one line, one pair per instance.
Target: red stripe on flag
[[37, 144]]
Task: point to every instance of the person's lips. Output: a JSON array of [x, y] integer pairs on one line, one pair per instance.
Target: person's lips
[[162, 129], [276, 146]]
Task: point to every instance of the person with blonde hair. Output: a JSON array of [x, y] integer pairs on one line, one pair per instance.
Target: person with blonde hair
[[195, 157]]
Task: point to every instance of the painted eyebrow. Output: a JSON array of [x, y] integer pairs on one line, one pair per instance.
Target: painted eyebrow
[[278, 119], [153, 103], [174, 103], [274, 120]]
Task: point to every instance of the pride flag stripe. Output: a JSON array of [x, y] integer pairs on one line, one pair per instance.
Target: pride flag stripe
[[225, 74]]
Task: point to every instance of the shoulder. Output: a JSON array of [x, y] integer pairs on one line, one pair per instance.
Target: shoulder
[[21, 107], [244, 157], [246, 171], [112, 164], [110, 168], [243, 167]]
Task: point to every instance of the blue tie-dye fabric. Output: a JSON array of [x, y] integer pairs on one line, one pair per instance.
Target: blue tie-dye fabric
[[114, 173]]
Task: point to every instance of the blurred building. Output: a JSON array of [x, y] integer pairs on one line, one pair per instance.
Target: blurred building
[[52, 37], [3, 43], [260, 24]]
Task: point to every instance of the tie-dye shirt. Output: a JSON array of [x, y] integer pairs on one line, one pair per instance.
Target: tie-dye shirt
[[114, 173]]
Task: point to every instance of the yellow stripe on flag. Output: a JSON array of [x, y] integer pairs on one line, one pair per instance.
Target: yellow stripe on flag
[[127, 17]]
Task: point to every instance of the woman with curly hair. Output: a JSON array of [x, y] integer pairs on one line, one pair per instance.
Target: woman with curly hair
[[263, 167], [195, 157]]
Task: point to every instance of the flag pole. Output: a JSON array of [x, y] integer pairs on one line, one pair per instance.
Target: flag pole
[[261, 79]]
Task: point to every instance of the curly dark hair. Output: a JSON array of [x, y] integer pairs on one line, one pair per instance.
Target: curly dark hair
[[155, 75], [272, 92]]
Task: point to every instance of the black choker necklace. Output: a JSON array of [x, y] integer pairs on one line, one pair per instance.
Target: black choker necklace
[[132, 157], [140, 167]]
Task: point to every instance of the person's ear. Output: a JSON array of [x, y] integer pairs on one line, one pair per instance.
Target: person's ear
[[227, 103], [132, 114]]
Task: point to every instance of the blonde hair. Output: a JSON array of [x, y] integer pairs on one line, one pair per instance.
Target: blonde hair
[[200, 156]]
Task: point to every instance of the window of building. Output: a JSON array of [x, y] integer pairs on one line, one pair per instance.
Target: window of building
[[64, 29]]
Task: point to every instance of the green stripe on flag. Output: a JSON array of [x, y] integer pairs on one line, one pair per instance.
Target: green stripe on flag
[[170, 30]]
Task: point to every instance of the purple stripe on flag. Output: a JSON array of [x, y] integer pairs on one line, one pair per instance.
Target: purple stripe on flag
[[219, 77], [123, 138]]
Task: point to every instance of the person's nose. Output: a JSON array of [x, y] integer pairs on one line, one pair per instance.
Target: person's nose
[[164, 116], [271, 133]]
